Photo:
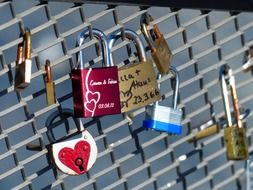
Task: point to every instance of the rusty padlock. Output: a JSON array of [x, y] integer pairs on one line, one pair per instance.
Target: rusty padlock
[[95, 90], [75, 153], [23, 63], [160, 50], [137, 81], [49, 84], [234, 135]]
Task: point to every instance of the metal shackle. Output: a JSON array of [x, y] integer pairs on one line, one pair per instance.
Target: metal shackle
[[227, 78], [175, 74], [48, 71], [151, 35], [132, 36], [24, 48], [66, 113], [100, 36]]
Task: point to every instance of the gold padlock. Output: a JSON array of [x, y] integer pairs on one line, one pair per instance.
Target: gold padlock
[[23, 62], [234, 135], [137, 81], [160, 50], [49, 84]]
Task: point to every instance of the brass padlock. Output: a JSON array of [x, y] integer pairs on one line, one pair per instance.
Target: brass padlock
[[137, 81], [212, 127], [50, 91], [23, 62], [160, 50], [234, 135]]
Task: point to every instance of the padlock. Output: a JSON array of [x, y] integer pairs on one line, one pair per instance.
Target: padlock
[[137, 81], [50, 91], [95, 90], [75, 153], [162, 118], [23, 63], [210, 128], [234, 135], [160, 50]]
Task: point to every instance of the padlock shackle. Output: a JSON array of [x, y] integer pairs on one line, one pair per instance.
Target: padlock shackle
[[132, 36], [24, 47], [100, 36], [227, 78], [48, 71], [27, 39], [175, 73], [65, 113]]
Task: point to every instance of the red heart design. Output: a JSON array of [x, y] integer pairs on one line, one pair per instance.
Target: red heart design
[[90, 105], [93, 96], [76, 159]]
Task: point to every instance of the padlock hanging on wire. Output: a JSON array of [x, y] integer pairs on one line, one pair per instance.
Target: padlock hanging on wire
[[50, 88], [95, 90], [23, 63], [162, 118], [249, 63], [234, 135], [73, 154], [212, 127], [137, 81], [160, 50]]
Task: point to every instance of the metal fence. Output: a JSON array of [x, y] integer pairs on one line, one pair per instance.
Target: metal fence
[[129, 156]]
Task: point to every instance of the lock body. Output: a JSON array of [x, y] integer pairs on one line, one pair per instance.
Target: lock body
[[50, 93], [23, 74], [95, 91], [138, 86], [162, 55], [236, 145], [161, 118], [76, 156]]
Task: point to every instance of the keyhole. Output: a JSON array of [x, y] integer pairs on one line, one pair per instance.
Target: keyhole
[[79, 163]]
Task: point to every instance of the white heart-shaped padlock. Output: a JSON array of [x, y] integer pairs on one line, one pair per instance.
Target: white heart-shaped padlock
[[74, 154]]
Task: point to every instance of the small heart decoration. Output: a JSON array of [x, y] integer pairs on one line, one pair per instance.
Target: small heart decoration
[[90, 105], [76, 159], [93, 96]]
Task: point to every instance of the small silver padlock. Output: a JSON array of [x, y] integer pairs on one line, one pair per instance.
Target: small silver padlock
[[163, 118], [73, 154]]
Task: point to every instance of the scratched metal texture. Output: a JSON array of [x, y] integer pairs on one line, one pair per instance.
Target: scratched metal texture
[[129, 157]]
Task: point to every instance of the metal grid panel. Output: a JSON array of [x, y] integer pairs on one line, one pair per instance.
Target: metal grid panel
[[129, 157]]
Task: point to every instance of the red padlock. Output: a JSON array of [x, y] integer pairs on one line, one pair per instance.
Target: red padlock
[[73, 154], [95, 90]]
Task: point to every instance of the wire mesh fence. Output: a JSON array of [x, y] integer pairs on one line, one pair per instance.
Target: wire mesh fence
[[130, 157]]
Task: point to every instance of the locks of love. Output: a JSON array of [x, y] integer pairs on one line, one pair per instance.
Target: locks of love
[[137, 81], [73, 154], [95, 90], [234, 135], [23, 63], [162, 118], [160, 50]]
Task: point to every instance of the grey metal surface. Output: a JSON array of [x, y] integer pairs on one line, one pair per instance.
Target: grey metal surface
[[129, 157]]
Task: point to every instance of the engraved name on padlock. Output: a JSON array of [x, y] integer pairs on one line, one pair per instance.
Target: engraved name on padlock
[[138, 84], [50, 91], [234, 135], [160, 50], [75, 153], [23, 63], [95, 90], [162, 118]]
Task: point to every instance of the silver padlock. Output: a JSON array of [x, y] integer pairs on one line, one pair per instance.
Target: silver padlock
[[162, 118]]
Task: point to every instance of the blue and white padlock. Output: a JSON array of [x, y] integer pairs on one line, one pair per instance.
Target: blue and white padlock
[[162, 118]]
